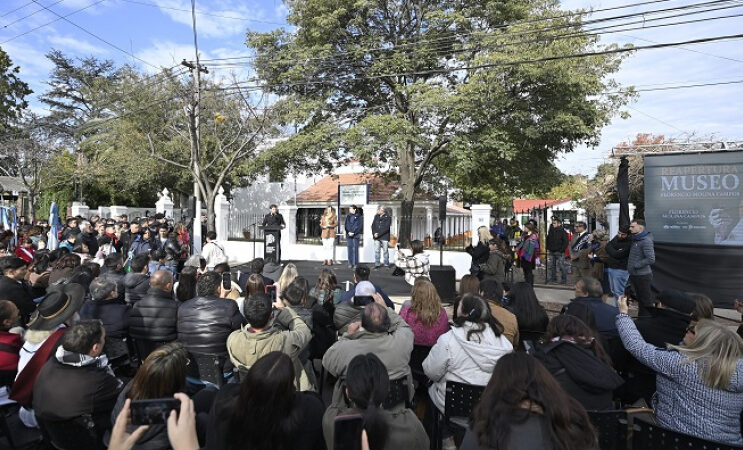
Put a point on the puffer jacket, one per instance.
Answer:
(111, 312)
(154, 318)
(454, 358)
(204, 323)
(641, 254)
(117, 276)
(247, 346)
(135, 287)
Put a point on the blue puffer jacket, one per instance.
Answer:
(354, 224)
(641, 254)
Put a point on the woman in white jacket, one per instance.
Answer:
(468, 352)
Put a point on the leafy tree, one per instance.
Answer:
(437, 87)
(13, 93)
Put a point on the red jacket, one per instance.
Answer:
(10, 346)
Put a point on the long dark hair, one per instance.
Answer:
(162, 374)
(521, 386)
(476, 311)
(566, 325)
(296, 292)
(326, 282)
(529, 313)
(186, 284)
(368, 384)
(264, 415)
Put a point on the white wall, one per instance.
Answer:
(257, 197)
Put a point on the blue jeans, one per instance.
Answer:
(353, 250)
(378, 246)
(558, 260)
(617, 281)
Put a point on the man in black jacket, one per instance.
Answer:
(618, 250)
(557, 242)
(106, 307)
(205, 322)
(88, 237)
(78, 379)
(155, 317)
(381, 232)
(14, 288)
(137, 281)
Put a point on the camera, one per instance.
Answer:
(153, 411)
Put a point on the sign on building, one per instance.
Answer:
(353, 194)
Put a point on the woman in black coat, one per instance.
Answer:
(480, 252)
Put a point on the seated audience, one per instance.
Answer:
(155, 317)
(326, 289)
(296, 295)
(524, 408)
(266, 411)
(492, 292)
(345, 313)
(380, 331)
(414, 265)
(205, 322)
(575, 357)
(468, 352)
(362, 273)
(260, 337)
(530, 315)
(367, 385)
(14, 287)
(700, 386)
(256, 267)
(78, 379)
(105, 306)
(287, 276)
(137, 281)
(254, 285)
(425, 315)
(588, 291)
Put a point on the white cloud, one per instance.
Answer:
(77, 45)
(209, 25)
(167, 54)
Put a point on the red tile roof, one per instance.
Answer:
(525, 205)
(326, 190)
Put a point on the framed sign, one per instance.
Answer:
(353, 194)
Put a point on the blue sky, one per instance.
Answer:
(157, 32)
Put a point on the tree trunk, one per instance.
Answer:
(210, 215)
(407, 185)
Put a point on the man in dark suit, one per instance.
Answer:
(14, 288)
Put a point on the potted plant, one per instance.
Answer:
(427, 241)
(393, 240)
(246, 233)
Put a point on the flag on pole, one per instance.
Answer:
(53, 242)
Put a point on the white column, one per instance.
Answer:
(288, 234)
(80, 209)
(104, 212)
(222, 215)
(118, 210)
(480, 218)
(164, 204)
(395, 220)
(366, 253)
(612, 217)
(196, 229)
(429, 221)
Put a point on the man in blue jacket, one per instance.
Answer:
(381, 232)
(354, 225)
(641, 257)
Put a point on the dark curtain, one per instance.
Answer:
(708, 269)
(623, 191)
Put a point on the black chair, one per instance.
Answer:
(75, 434)
(117, 351)
(207, 368)
(612, 427)
(460, 400)
(398, 394)
(143, 347)
(647, 435)
(18, 435)
(419, 353)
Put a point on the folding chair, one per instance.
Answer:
(75, 434)
(647, 435)
(398, 394)
(460, 400)
(18, 435)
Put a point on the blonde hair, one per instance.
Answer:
(330, 215)
(425, 301)
(287, 276)
(484, 235)
(716, 350)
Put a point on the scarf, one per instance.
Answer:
(79, 360)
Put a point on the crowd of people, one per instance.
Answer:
(121, 314)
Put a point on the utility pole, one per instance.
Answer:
(194, 120)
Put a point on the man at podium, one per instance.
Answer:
(274, 221)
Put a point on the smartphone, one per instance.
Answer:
(227, 281)
(153, 411)
(271, 291)
(362, 300)
(348, 432)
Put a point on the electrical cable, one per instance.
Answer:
(29, 15)
(53, 21)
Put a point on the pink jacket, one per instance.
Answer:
(425, 335)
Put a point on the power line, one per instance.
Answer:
(49, 23)
(16, 9)
(29, 15)
(201, 13)
(96, 36)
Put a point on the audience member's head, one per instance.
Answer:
(13, 267)
(186, 284)
(103, 289)
(425, 301)
(41, 262)
(256, 265)
(8, 315)
(703, 306)
(86, 337)
(361, 273)
(521, 386)
(222, 268)
(94, 267)
(208, 285)
(258, 311)
(367, 385)
(525, 306)
(287, 276)
(469, 284)
(584, 313)
(254, 285)
(162, 280)
(416, 246)
(162, 374)
(491, 290)
(140, 263)
(474, 311)
(571, 327)
(113, 262)
(326, 282)
(296, 293)
(375, 318)
(675, 300)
